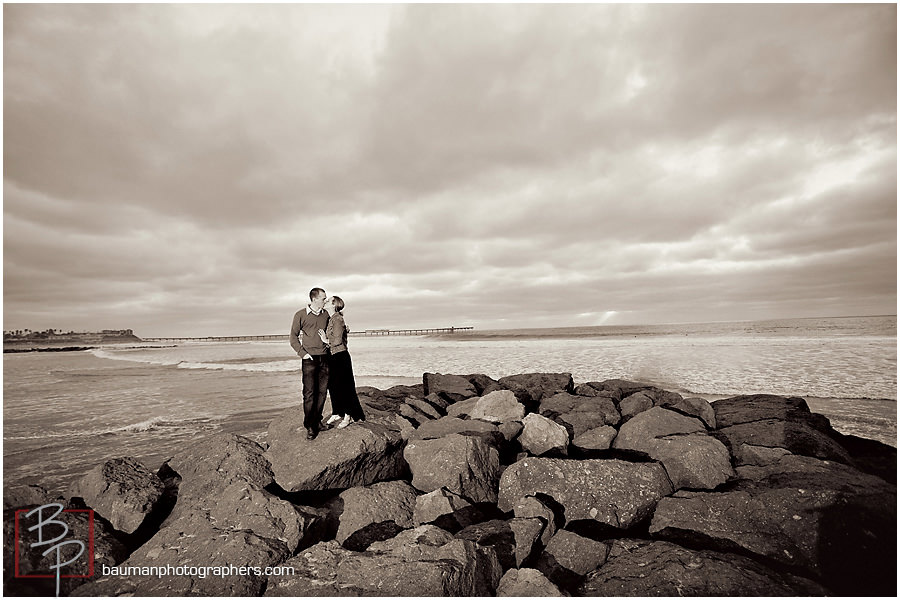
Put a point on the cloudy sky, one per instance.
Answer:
(196, 169)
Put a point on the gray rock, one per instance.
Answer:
(445, 509)
(242, 506)
(796, 437)
(209, 466)
(425, 407)
(634, 404)
(466, 465)
(451, 387)
(747, 454)
(568, 557)
(365, 509)
(449, 425)
(541, 435)
(655, 423)
(419, 562)
(205, 549)
(778, 422)
(691, 458)
(122, 490)
(511, 430)
(20, 496)
(600, 438)
(613, 492)
(439, 402)
(588, 389)
(527, 533)
(695, 407)
(617, 388)
(416, 414)
(513, 540)
(819, 516)
(361, 454)
(534, 387)
(580, 413)
(531, 507)
(525, 583)
(462, 408)
(483, 384)
(653, 568)
(498, 407)
(760, 407)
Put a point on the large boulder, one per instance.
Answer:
(531, 507)
(635, 404)
(568, 557)
(375, 512)
(616, 493)
(777, 422)
(425, 561)
(363, 454)
(693, 407)
(542, 436)
(612, 388)
(600, 438)
(692, 459)
(819, 517)
(531, 388)
(242, 506)
(466, 465)
(204, 555)
(654, 568)
(452, 388)
(122, 490)
(448, 425)
(24, 495)
(513, 541)
(446, 510)
(483, 384)
(580, 413)
(212, 463)
(498, 407)
(463, 407)
(525, 583)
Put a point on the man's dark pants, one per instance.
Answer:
(315, 388)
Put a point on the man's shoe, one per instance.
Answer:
(311, 433)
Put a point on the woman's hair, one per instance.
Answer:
(338, 303)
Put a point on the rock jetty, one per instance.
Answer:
(469, 486)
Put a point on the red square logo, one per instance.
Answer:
(65, 535)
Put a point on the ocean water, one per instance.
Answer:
(64, 413)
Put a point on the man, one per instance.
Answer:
(306, 342)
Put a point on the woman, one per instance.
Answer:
(341, 385)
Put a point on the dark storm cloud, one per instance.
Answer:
(197, 168)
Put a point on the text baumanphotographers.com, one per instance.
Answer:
(194, 571)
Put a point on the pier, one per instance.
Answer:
(277, 337)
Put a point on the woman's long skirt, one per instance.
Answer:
(342, 387)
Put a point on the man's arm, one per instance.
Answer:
(296, 344)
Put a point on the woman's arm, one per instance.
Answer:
(335, 331)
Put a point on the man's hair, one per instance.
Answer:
(314, 293)
(338, 303)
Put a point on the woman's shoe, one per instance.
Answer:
(333, 419)
(344, 422)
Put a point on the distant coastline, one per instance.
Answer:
(53, 341)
